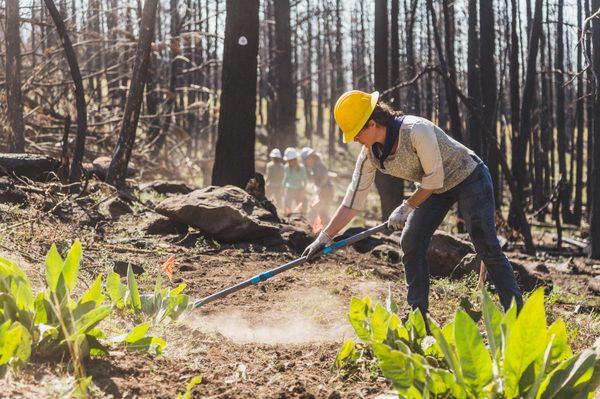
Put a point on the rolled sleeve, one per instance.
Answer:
(425, 143)
(362, 179)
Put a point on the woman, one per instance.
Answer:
(295, 179)
(413, 148)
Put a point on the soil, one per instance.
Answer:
(275, 340)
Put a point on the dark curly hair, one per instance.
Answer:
(383, 114)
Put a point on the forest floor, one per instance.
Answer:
(277, 340)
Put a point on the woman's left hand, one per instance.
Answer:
(399, 216)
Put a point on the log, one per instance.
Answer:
(33, 166)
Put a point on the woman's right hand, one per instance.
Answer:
(317, 245)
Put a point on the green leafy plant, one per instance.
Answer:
(162, 305)
(189, 388)
(55, 323)
(523, 358)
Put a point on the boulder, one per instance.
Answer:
(11, 194)
(363, 246)
(117, 208)
(227, 214)
(100, 167)
(166, 187)
(160, 225)
(387, 252)
(445, 252)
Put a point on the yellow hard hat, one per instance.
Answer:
(352, 110)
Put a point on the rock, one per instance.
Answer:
(160, 225)
(468, 264)
(121, 266)
(296, 239)
(594, 285)
(117, 208)
(32, 166)
(166, 187)
(386, 252)
(445, 252)
(226, 214)
(100, 167)
(528, 277)
(362, 246)
(256, 188)
(11, 194)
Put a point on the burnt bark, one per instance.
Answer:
(234, 154)
(16, 128)
(117, 171)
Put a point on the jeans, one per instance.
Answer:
(475, 197)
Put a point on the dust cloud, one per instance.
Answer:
(304, 316)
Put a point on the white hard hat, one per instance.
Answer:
(275, 153)
(306, 152)
(290, 153)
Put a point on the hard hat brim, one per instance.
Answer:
(351, 134)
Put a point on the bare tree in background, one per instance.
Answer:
(234, 154)
(80, 104)
(13, 78)
(118, 166)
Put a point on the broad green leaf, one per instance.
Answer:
(492, 319)
(569, 377)
(346, 354)
(15, 343)
(94, 293)
(54, 266)
(396, 366)
(359, 313)
(416, 325)
(475, 361)
(448, 379)
(542, 371)
(137, 333)
(71, 265)
(177, 290)
(89, 320)
(450, 356)
(379, 323)
(132, 290)
(148, 344)
(116, 290)
(526, 341)
(448, 332)
(560, 347)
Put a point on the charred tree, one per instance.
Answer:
(595, 219)
(578, 202)
(16, 142)
(488, 89)
(234, 153)
(473, 78)
(390, 188)
(122, 153)
(284, 123)
(80, 103)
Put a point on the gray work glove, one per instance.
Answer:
(317, 245)
(399, 216)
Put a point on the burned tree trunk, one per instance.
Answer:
(489, 90)
(80, 103)
(390, 188)
(234, 154)
(473, 79)
(284, 125)
(122, 154)
(595, 219)
(16, 142)
(522, 136)
(577, 207)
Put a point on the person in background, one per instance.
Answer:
(294, 183)
(320, 176)
(274, 188)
